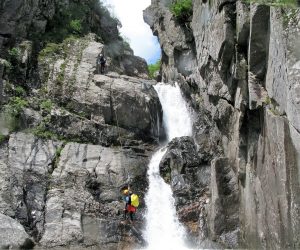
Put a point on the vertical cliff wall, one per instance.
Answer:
(238, 65)
(70, 137)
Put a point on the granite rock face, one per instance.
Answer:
(243, 87)
(68, 194)
(70, 137)
(72, 81)
(85, 193)
(81, 135)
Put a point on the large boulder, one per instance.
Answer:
(13, 235)
(181, 167)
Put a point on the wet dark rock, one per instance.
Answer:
(189, 178)
(243, 88)
(182, 168)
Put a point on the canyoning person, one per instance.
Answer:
(131, 204)
(101, 63)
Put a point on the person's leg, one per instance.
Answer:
(131, 215)
(125, 214)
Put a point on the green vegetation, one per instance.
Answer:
(268, 100)
(79, 18)
(76, 26)
(3, 138)
(152, 68)
(289, 15)
(7, 65)
(57, 155)
(182, 10)
(20, 91)
(14, 58)
(12, 111)
(16, 105)
(14, 54)
(50, 49)
(280, 3)
(46, 105)
(44, 134)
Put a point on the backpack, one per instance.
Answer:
(134, 200)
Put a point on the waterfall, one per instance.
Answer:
(163, 229)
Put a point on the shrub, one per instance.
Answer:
(152, 68)
(3, 138)
(76, 26)
(46, 105)
(182, 10)
(280, 3)
(44, 134)
(50, 49)
(20, 91)
(14, 53)
(12, 111)
(16, 105)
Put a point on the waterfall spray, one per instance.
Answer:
(163, 229)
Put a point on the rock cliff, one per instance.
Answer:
(71, 138)
(238, 65)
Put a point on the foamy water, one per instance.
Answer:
(163, 229)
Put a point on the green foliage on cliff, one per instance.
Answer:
(3, 138)
(12, 111)
(279, 3)
(51, 48)
(152, 68)
(46, 105)
(76, 26)
(80, 18)
(16, 105)
(14, 53)
(182, 10)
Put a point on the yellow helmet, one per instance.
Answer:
(125, 191)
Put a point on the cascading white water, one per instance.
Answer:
(163, 230)
(176, 117)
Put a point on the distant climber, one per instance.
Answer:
(131, 203)
(101, 63)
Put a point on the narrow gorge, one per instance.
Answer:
(227, 114)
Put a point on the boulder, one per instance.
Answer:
(13, 235)
(134, 66)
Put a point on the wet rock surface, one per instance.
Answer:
(243, 90)
(71, 137)
(81, 136)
